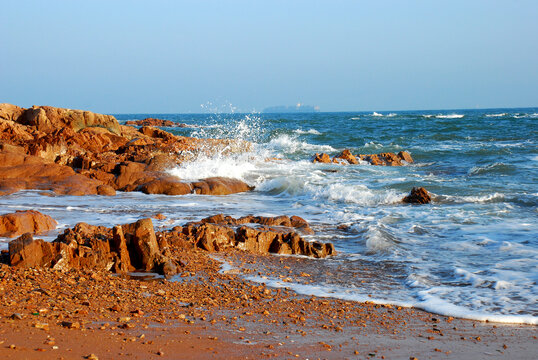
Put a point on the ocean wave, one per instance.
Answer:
(304, 132)
(496, 115)
(355, 118)
(426, 300)
(357, 194)
(430, 302)
(450, 116)
(451, 199)
(495, 168)
(289, 145)
(373, 145)
(207, 166)
(376, 114)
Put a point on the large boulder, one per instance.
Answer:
(143, 247)
(220, 186)
(29, 221)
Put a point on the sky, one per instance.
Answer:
(196, 56)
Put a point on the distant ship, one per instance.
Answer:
(292, 109)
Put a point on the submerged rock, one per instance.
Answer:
(418, 195)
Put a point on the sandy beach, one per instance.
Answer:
(207, 314)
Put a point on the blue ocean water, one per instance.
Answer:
(472, 253)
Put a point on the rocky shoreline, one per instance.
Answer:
(61, 298)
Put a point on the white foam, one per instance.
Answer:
(355, 118)
(495, 197)
(357, 194)
(496, 115)
(309, 131)
(426, 301)
(434, 304)
(376, 114)
(450, 116)
(288, 145)
(205, 166)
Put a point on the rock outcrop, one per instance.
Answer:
(276, 235)
(418, 195)
(121, 249)
(78, 152)
(385, 159)
(137, 246)
(29, 221)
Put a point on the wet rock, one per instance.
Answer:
(167, 186)
(321, 158)
(382, 159)
(405, 156)
(220, 186)
(347, 156)
(29, 221)
(418, 195)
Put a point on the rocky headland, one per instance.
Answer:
(77, 152)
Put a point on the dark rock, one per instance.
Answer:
(418, 195)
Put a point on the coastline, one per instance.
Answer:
(203, 311)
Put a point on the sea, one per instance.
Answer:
(472, 253)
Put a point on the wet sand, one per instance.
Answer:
(205, 314)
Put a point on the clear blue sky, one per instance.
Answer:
(171, 56)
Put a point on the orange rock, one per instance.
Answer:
(404, 155)
(154, 122)
(322, 158)
(10, 112)
(48, 118)
(220, 186)
(347, 156)
(215, 234)
(29, 221)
